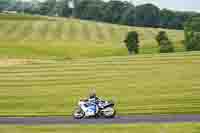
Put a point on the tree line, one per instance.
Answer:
(125, 13)
(165, 45)
(114, 11)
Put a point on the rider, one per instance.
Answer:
(93, 97)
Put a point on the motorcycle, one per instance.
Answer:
(86, 109)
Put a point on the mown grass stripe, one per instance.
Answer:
(60, 27)
(44, 29)
(87, 31)
(101, 64)
(12, 26)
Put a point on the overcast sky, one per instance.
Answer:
(181, 5)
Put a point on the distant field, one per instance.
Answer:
(145, 84)
(21, 17)
(35, 36)
(138, 128)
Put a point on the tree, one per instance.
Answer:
(6, 4)
(148, 15)
(192, 34)
(63, 8)
(90, 10)
(34, 7)
(114, 11)
(166, 18)
(165, 45)
(174, 20)
(132, 42)
(161, 36)
(128, 16)
(48, 7)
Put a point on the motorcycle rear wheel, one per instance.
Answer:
(109, 114)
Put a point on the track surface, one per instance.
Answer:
(117, 120)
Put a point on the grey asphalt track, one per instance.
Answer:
(117, 120)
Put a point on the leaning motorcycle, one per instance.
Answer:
(87, 109)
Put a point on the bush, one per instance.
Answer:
(161, 36)
(132, 42)
(193, 42)
(192, 34)
(165, 45)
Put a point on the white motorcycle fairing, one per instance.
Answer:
(90, 109)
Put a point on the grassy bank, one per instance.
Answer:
(145, 84)
(35, 36)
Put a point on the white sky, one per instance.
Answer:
(180, 5)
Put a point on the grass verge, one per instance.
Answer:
(130, 128)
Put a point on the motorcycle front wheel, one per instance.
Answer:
(78, 113)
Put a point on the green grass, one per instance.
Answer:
(138, 128)
(145, 84)
(35, 36)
